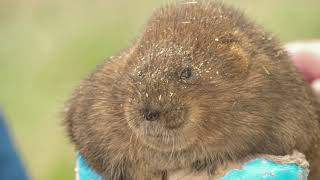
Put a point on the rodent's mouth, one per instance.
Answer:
(160, 137)
(166, 142)
(163, 138)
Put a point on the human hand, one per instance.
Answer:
(306, 57)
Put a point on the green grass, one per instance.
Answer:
(47, 47)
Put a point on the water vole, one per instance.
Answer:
(201, 86)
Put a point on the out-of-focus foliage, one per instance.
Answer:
(47, 47)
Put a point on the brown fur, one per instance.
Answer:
(242, 97)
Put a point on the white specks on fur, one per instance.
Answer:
(216, 39)
(147, 95)
(190, 2)
(266, 70)
(171, 93)
(185, 22)
(217, 72)
(161, 52)
(233, 104)
(160, 97)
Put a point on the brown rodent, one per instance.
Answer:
(203, 85)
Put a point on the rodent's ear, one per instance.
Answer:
(236, 61)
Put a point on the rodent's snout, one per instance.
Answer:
(160, 124)
(164, 115)
(150, 114)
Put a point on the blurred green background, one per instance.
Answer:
(47, 47)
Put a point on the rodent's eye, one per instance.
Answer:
(186, 73)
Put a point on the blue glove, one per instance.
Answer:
(84, 172)
(257, 169)
(264, 169)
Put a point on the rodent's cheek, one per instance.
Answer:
(194, 113)
(131, 117)
(130, 113)
(207, 122)
(194, 122)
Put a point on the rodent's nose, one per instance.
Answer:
(150, 115)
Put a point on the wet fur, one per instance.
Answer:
(244, 98)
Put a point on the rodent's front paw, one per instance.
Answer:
(202, 165)
(117, 172)
(199, 165)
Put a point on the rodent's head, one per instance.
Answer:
(184, 78)
(174, 90)
(200, 75)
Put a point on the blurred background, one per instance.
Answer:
(47, 47)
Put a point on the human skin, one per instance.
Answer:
(306, 58)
